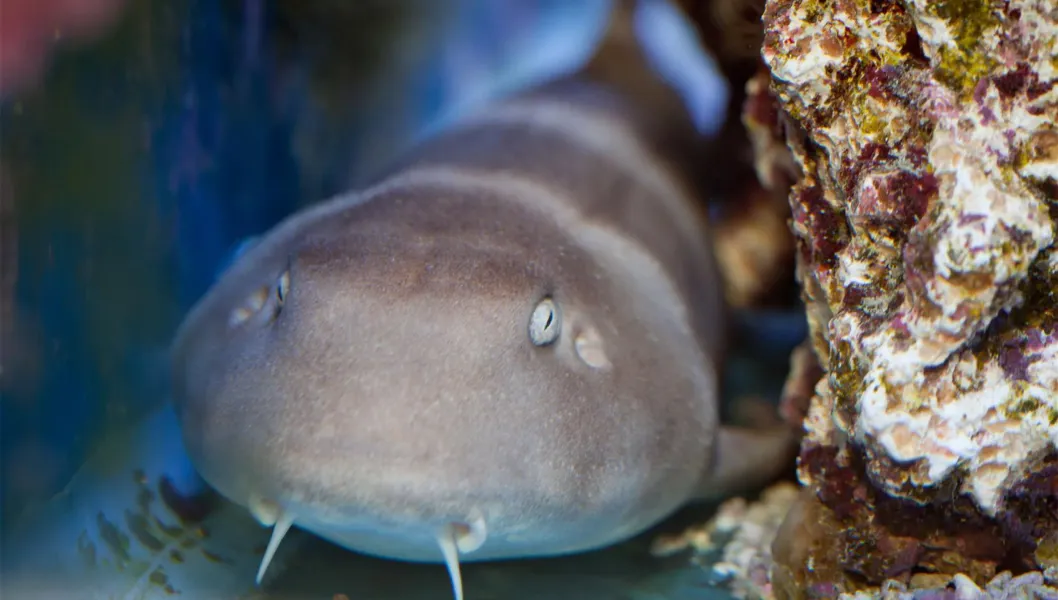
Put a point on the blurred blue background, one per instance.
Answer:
(142, 158)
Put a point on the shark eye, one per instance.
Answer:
(282, 286)
(545, 323)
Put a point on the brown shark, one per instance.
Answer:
(509, 346)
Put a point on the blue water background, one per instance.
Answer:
(145, 157)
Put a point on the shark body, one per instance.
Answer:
(509, 346)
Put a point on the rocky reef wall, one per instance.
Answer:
(924, 146)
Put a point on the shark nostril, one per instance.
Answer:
(591, 350)
(470, 534)
(265, 511)
(252, 306)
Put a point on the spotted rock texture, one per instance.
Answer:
(925, 139)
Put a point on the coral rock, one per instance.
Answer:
(1003, 587)
(741, 533)
(920, 226)
(925, 216)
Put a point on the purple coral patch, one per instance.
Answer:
(1033, 510)
(854, 294)
(1022, 80)
(1038, 339)
(823, 223)
(880, 80)
(1014, 362)
(916, 191)
(1012, 83)
(918, 262)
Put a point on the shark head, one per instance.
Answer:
(434, 373)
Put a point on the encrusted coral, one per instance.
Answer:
(738, 544)
(1035, 586)
(741, 533)
(926, 141)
